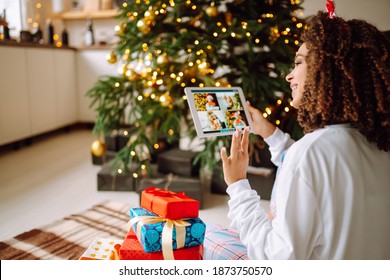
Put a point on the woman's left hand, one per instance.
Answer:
(236, 165)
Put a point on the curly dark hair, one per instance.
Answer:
(348, 80)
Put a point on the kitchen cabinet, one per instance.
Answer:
(14, 97)
(38, 91)
(66, 86)
(42, 90)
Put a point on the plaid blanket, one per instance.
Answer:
(67, 239)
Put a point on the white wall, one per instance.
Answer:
(104, 30)
(376, 12)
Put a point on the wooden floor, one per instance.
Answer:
(54, 177)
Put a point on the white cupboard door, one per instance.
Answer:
(14, 99)
(40, 66)
(65, 85)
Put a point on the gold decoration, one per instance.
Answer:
(196, 20)
(229, 18)
(122, 69)
(126, 55)
(212, 11)
(121, 29)
(204, 68)
(143, 26)
(150, 15)
(98, 148)
(162, 59)
(165, 99)
(111, 58)
(131, 75)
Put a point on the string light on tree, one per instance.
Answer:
(175, 44)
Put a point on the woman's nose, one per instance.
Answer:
(289, 76)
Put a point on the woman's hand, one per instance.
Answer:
(236, 165)
(261, 126)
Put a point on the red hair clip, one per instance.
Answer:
(330, 7)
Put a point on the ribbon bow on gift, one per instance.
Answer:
(162, 192)
(167, 232)
(157, 194)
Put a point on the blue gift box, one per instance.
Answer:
(150, 235)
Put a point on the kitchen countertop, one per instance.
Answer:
(13, 43)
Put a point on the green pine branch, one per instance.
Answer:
(247, 43)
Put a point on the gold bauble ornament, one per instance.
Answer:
(112, 58)
(98, 148)
(121, 29)
(143, 26)
(212, 11)
(165, 99)
(162, 59)
(150, 15)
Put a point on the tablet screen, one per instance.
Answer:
(217, 111)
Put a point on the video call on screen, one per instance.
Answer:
(219, 110)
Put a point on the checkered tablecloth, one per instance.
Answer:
(221, 243)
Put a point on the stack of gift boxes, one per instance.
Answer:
(165, 226)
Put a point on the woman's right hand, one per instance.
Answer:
(261, 126)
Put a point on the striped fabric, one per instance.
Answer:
(223, 244)
(67, 239)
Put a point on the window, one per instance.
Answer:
(13, 15)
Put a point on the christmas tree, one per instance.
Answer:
(164, 46)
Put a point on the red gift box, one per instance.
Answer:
(168, 204)
(131, 249)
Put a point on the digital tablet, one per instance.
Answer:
(217, 111)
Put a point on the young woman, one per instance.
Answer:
(331, 197)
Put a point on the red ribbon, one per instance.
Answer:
(158, 192)
(330, 7)
(165, 193)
